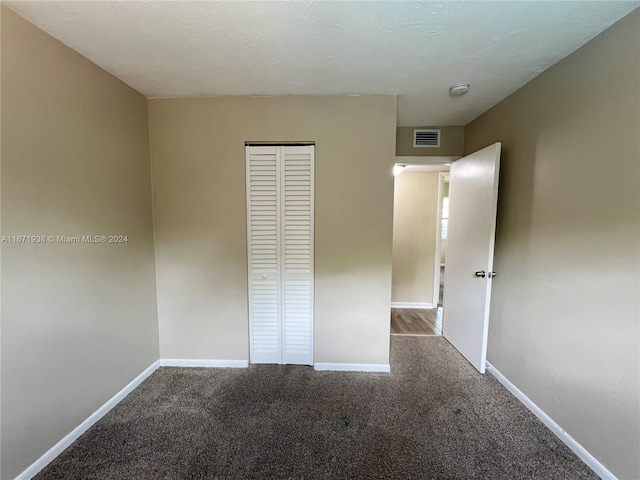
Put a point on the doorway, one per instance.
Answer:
(470, 235)
(416, 307)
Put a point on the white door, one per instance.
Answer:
(280, 253)
(263, 213)
(473, 197)
(297, 254)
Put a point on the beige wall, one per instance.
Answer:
(198, 169)
(565, 314)
(78, 320)
(415, 218)
(451, 142)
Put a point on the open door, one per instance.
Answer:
(473, 198)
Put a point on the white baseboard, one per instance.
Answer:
(411, 305)
(568, 440)
(210, 363)
(58, 448)
(353, 367)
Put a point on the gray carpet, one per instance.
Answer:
(433, 417)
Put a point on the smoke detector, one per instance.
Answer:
(458, 89)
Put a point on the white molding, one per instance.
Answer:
(425, 159)
(71, 437)
(199, 362)
(567, 439)
(353, 367)
(437, 265)
(427, 167)
(426, 306)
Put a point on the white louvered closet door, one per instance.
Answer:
(263, 219)
(280, 242)
(297, 253)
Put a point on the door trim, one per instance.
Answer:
(438, 252)
(300, 275)
(279, 144)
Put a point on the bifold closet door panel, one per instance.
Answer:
(263, 220)
(297, 253)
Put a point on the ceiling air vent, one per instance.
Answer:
(426, 138)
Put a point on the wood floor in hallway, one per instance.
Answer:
(416, 321)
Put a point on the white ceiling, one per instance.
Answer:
(414, 49)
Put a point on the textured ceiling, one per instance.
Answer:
(416, 50)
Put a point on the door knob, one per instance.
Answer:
(481, 274)
(264, 277)
(492, 274)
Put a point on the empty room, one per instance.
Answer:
(286, 240)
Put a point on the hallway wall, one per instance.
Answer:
(415, 216)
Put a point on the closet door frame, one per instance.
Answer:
(282, 277)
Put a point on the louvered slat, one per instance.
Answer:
(263, 210)
(298, 320)
(297, 209)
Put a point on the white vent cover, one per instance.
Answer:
(426, 138)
